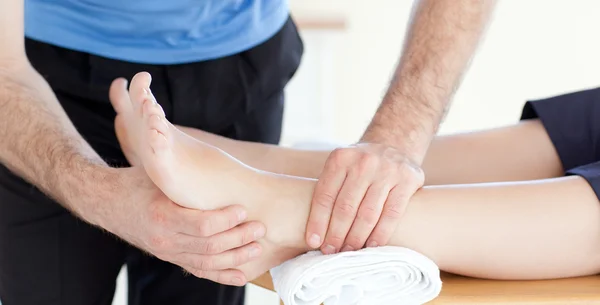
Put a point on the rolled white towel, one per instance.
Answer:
(371, 276)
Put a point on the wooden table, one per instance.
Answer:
(458, 290)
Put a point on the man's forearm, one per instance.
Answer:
(39, 142)
(438, 48)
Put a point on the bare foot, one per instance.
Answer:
(200, 176)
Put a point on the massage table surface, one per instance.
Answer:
(458, 290)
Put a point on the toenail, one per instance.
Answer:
(347, 248)
(329, 249)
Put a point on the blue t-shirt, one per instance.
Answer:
(155, 31)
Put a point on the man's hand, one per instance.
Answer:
(208, 244)
(360, 197)
(440, 41)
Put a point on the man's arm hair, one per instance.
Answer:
(440, 42)
(37, 140)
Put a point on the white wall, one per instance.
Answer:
(533, 48)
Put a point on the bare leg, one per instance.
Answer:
(528, 230)
(513, 153)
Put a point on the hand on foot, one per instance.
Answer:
(200, 176)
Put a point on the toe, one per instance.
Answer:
(151, 108)
(139, 91)
(141, 80)
(120, 129)
(124, 140)
(118, 96)
(159, 124)
(157, 142)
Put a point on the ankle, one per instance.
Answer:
(283, 206)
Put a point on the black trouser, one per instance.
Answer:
(47, 256)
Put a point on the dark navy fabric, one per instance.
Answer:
(572, 121)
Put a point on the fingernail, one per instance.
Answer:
(372, 244)
(254, 252)
(347, 248)
(329, 249)
(260, 232)
(314, 241)
(237, 281)
(242, 215)
(146, 91)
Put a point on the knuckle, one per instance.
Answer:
(211, 247)
(368, 162)
(204, 264)
(340, 157)
(393, 211)
(324, 200)
(204, 227)
(335, 239)
(158, 217)
(345, 208)
(368, 215)
(158, 242)
(369, 206)
(239, 258)
(337, 154)
(248, 236)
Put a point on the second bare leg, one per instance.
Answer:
(513, 153)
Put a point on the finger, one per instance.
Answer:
(393, 209)
(367, 217)
(207, 223)
(118, 96)
(232, 277)
(321, 208)
(221, 242)
(344, 211)
(226, 260)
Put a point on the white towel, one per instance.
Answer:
(371, 276)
